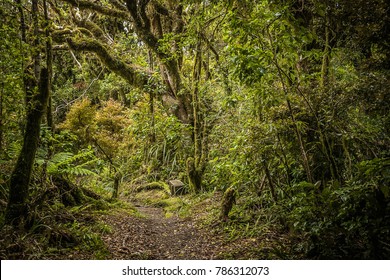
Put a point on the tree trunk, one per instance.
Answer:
(324, 83)
(197, 164)
(271, 184)
(152, 136)
(21, 175)
(49, 64)
(115, 192)
(1, 118)
(228, 200)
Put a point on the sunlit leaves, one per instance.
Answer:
(105, 128)
(80, 119)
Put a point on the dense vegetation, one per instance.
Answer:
(280, 105)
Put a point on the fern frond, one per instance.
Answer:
(62, 158)
(78, 171)
(72, 164)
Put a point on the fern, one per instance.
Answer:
(13, 150)
(58, 160)
(79, 171)
(62, 158)
(70, 164)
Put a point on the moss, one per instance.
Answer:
(85, 31)
(191, 173)
(173, 206)
(154, 186)
(92, 28)
(87, 5)
(21, 176)
(176, 206)
(228, 200)
(151, 197)
(135, 76)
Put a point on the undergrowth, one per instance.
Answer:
(54, 230)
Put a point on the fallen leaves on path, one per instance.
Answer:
(153, 236)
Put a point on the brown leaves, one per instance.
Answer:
(157, 237)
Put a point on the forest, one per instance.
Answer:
(195, 129)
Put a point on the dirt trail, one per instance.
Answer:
(156, 237)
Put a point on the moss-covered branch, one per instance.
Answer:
(117, 4)
(160, 8)
(142, 26)
(85, 4)
(136, 77)
(138, 13)
(92, 27)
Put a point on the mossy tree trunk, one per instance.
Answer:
(117, 179)
(326, 55)
(196, 165)
(324, 83)
(194, 174)
(228, 200)
(152, 137)
(1, 117)
(21, 175)
(37, 95)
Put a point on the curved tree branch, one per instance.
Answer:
(85, 4)
(135, 76)
(136, 10)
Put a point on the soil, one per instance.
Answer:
(153, 236)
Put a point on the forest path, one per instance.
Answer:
(153, 236)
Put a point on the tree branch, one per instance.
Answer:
(136, 77)
(143, 29)
(160, 8)
(142, 11)
(119, 5)
(97, 32)
(142, 26)
(85, 4)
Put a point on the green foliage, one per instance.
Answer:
(80, 120)
(12, 59)
(164, 157)
(71, 164)
(376, 172)
(342, 223)
(289, 107)
(105, 128)
(277, 57)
